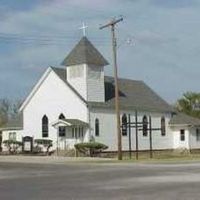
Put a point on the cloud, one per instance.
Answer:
(174, 3)
(85, 3)
(147, 37)
(166, 41)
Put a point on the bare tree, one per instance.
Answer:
(8, 110)
(4, 110)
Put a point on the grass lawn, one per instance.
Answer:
(163, 157)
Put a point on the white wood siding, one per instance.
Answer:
(108, 135)
(194, 143)
(177, 143)
(78, 81)
(51, 99)
(88, 80)
(95, 84)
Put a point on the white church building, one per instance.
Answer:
(75, 103)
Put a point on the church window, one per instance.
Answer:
(182, 135)
(197, 134)
(76, 131)
(79, 132)
(12, 136)
(45, 126)
(124, 125)
(73, 132)
(163, 129)
(61, 116)
(145, 126)
(62, 129)
(82, 135)
(97, 127)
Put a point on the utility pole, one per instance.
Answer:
(112, 24)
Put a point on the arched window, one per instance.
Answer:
(61, 116)
(61, 128)
(197, 134)
(163, 129)
(97, 127)
(45, 126)
(145, 125)
(124, 125)
(12, 136)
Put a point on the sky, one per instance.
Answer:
(158, 41)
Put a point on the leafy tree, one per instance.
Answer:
(189, 104)
(8, 109)
(4, 109)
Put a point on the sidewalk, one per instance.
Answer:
(49, 159)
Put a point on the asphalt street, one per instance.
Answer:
(79, 181)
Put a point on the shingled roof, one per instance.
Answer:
(183, 119)
(132, 95)
(85, 53)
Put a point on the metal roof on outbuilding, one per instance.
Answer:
(183, 119)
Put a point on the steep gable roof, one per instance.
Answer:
(84, 53)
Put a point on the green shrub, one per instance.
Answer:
(12, 145)
(90, 148)
(43, 141)
(46, 143)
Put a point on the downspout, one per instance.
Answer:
(89, 120)
(189, 146)
(87, 99)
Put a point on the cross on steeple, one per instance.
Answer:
(83, 28)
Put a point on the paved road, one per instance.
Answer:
(78, 181)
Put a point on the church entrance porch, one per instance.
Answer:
(69, 133)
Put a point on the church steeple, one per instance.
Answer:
(85, 53)
(85, 70)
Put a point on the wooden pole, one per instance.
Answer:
(150, 137)
(57, 141)
(136, 134)
(117, 109)
(129, 131)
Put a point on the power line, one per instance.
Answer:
(46, 40)
(50, 39)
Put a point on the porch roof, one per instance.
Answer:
(70, 123)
